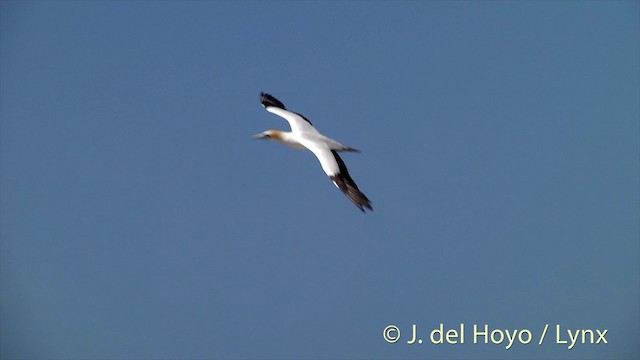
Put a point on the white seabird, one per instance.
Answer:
(304, 136)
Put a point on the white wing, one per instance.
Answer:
(298, 123)
(333, 166)
(325, 156)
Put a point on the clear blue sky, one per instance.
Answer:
(500, 149)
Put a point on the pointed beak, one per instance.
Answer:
(259, 136)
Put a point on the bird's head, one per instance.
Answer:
(269, 135)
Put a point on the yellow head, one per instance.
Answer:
(270, 135)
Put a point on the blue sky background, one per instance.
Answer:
(500, 148)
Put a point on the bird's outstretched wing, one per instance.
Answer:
(298, 123)
(337, 171)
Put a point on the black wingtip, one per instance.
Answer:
(350, 189)
(268, 100)
(345, 183)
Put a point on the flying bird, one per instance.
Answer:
(304, 136)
